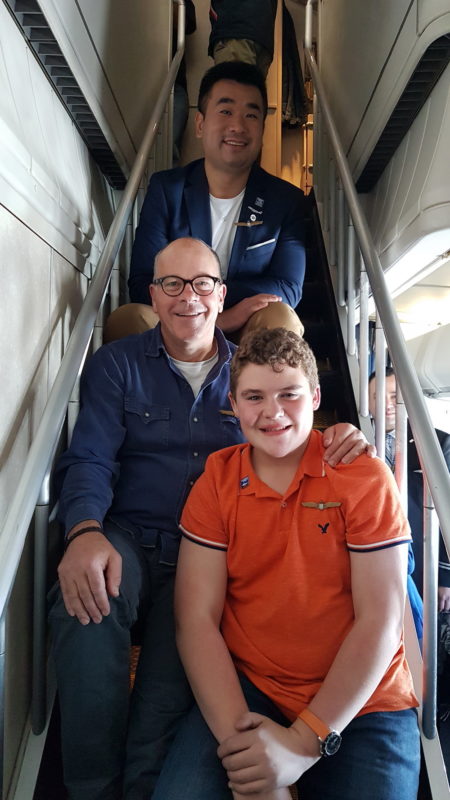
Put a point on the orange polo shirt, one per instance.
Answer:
(289, 601)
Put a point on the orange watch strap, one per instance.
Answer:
(320, 729)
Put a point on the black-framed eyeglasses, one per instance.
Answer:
(173, 285)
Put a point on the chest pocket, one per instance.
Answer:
(147, 425)
(260, 253)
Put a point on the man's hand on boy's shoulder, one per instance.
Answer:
(264, 755)
(343, 443)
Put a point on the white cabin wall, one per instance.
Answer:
(119, 53)
(365, 74)
(51, 232)
(55, 211)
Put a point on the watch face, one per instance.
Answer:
(330, 744)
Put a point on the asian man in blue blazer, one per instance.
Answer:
(253, 220)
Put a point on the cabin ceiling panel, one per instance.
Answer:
(429, 11)
(414, 44)
(411, 200)
(352, 58)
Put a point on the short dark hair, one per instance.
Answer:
(389, 372)
(239, 71)
(276, 348)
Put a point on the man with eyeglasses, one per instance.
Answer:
(154, 406)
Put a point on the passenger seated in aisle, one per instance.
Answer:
(253, 220)
(415, 517)
(415, 487)
(153, 407)
(289, 598)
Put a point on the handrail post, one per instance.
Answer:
(309, 24)
(430, 595)
(39, 687)
(332, 214)
(351, 294)
(340, 245)
(2, 698)
(380, 387)
(401, 448)
(363, 341)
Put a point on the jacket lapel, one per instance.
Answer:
(252, 210)
(196, 198)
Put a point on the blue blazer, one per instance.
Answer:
(269, 257)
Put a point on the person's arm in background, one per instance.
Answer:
(152, 234)
(444, 562)
(90, 569)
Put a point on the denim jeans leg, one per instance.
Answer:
(161, 695)
(92, 666)
(192, 769)
(379, 759)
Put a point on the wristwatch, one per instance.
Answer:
(330, 741)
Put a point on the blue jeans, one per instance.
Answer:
(114, 744)
(379, 759)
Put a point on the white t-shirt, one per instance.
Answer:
(224, 214)
(195, 372)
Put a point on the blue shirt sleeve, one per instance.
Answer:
(87, 472)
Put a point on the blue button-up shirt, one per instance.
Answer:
(142, 439)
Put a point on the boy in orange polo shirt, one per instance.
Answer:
(290, 600)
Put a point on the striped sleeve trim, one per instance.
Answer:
(369, 548)
(201, 540)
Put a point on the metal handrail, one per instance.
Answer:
(20, 512)
(424, 434)
(434, 468)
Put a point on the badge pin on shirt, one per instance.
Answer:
(253, 220)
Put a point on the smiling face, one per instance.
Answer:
(390, 400)
(275, 409)
(231, 127)
(188, 320)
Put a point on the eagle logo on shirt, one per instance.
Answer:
(323, 528)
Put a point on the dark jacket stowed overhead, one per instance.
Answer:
(243, 19)
(266, 257)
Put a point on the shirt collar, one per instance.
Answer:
(311, 464)
(154, 345)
